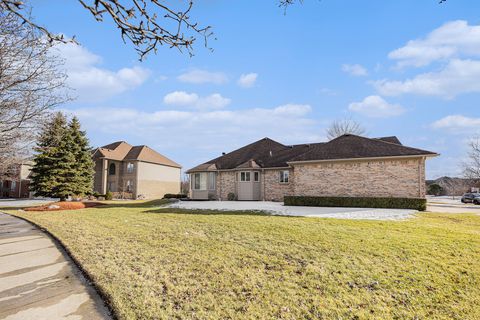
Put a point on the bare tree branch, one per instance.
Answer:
(344, 126)
(147, 24)
(471, 168)
(31, 84)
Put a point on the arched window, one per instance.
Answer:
(111, 169)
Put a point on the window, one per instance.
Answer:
(129, 186)
(200, 181)
(284, 176)
(256, 176)
(211, 181)
(244, 176)
(130, 167)
(13, 186)
(111, 169)
(111, 186)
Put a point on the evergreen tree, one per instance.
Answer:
(83, 179)
(65, 167)
(43, 178)
(63, 164)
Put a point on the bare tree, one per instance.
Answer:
(344, 126)
(471, 168)
(185, 184)
(31, 84)
(146, 24)
(456, 186)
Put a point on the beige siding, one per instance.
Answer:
(372, 178)
(154, 181)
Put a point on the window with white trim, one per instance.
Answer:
(200, 181)
(130, 167)
(211, 180)
(284, 176)
(129, 186)
(244, 176)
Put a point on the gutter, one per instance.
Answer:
(366, 159)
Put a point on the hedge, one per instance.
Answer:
(359, 202)
(175, 196)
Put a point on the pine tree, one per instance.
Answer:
(63, 164)
(43, 178)
(83, 179)
(64, 168)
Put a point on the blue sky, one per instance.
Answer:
(405, 68)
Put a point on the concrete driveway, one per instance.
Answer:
(277, 208)
(38, 280)
(22, 203)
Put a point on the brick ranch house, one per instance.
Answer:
(16, 182)
(349, 165)
(133, 171)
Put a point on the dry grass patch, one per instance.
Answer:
(155, 264)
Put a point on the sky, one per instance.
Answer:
(406, 68)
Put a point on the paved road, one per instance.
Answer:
(38, 280)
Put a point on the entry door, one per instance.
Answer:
(249, 185)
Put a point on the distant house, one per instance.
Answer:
(349, 165)
(16, 182)
(133, 171)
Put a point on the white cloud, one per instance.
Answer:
(355, 70)
(247, 80)
(376, 107)
(458, 123)
(453, 39)
(182, 98)
(458, 77)
(206, 132)
(93, 83)
(199, 76)
(292, 110)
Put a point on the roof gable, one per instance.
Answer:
(122, 151)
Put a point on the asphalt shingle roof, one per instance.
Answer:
(123, 151)
(267, 153)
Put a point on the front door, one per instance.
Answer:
(248, 185)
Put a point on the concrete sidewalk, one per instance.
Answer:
(38, 280)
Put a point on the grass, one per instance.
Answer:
(156, 264)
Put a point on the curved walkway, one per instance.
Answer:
(38, 280)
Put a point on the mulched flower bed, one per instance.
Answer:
(65, 205)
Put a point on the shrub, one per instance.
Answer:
(360, 202)
(108, 195)
(434, 189)
(175, 196)
(231, 196)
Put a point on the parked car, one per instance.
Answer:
(469, 197)
(476, 200)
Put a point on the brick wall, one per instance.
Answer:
(274, 190)
(378, 178)
(225, 184)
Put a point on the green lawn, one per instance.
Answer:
(155, 264)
